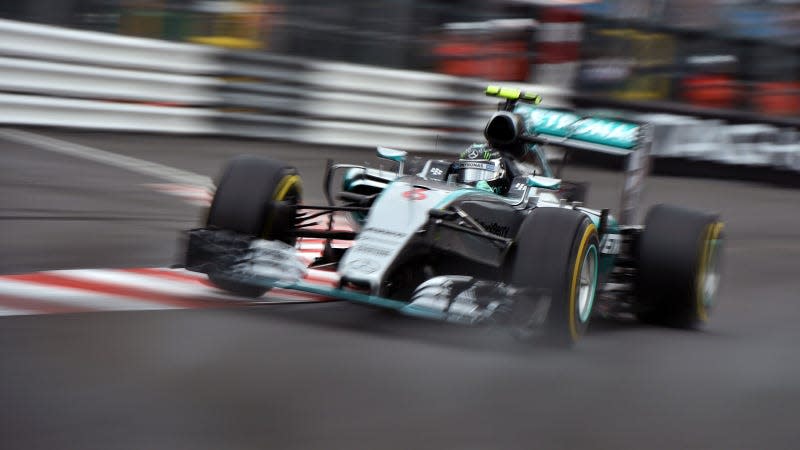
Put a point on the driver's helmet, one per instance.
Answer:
(480, 165)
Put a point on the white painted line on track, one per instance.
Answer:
(196, 195)
(16, 312)
(140, 166)
(138, 289)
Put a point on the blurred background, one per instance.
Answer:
(114, 124)
(723, 54)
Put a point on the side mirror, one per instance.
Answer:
(392, 154)
(543, 182)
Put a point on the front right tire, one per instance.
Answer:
(246, 201)
(679, 261)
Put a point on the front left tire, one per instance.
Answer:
(556, 256)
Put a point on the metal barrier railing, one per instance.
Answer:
(216, 91)
(66, 78)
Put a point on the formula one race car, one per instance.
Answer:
(492, 237)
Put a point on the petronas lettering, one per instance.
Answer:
(607, 130)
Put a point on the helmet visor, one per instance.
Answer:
(474, 171)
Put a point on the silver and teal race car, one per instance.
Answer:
(491, 237)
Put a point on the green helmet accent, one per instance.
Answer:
(479, 151)
(484, 186)
(483, 167)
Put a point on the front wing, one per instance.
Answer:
(273, 264)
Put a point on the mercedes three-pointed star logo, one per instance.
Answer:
(363, 265)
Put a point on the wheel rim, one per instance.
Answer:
(588, 282)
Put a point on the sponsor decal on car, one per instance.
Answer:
(370, 250)
(364, 265)
(381, 231)
(610, 244)
(474, 165)
(415, 194)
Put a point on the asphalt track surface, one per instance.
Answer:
(335, 375)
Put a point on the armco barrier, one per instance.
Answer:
(51, 76)
(79, 81)
(354, 105)
(41, 42)
(102, 115)
(66, 78)
(57, 77)
(344, 104)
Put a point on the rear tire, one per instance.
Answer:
(245, 202)
(557, 256)
(678, 266)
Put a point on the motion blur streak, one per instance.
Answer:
(334, 375)
(92, 154)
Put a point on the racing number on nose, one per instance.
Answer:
(415, 194)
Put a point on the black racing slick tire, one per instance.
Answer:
(678, 253)
(556, 256)
(247, 201)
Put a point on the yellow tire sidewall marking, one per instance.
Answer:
(712, 233)
(573, 326)
(284, 187)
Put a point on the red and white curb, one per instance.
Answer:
(87, 290)
(66, 291)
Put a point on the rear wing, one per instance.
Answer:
(568, 129)
(572, 131)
